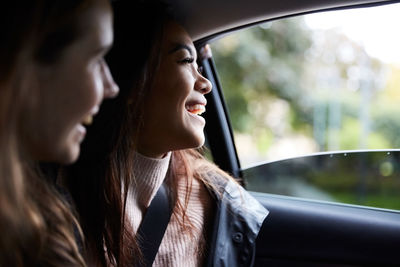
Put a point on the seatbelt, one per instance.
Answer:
(154, 224)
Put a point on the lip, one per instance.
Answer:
(197, 117)
(191, 108)
(88, 119)
(192, 103)
(196, 102)
(81, 130)
(196, 109)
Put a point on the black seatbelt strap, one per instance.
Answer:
(154, 224)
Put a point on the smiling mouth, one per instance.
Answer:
(88, 120)
(197, 109)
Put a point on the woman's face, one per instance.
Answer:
(70, 90)
(173, 107)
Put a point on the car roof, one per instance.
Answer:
(206, 18)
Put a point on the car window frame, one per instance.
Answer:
(219, 132)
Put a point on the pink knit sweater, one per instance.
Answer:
(177, 247)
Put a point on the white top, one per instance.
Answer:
(178, 248)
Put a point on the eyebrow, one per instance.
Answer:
(179, 47)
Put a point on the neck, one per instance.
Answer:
(152, 154)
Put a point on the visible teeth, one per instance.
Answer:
(197, 109)
(88, 120)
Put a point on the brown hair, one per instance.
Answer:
(105, 165)
(38, 227)
(95, 181)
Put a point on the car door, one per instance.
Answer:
(305, 115)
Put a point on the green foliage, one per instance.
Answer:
(386, 121)
(258, 64)
(283, 80)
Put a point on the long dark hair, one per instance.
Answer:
(96, 180)
(37, 225)
(105, 167)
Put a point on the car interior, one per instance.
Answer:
(299, 231)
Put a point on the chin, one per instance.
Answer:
(197, 141)
(69, 156)
(201, 142)
(187, 139)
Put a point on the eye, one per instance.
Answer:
(200, 70)
(187, 60)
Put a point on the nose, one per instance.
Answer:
(111, 89)
(203, 85)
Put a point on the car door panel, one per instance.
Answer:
(310, 232)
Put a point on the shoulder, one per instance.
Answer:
(243, 204)
(233, 198)
(239, 217)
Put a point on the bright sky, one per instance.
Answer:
(377, 28)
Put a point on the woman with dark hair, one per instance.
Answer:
(149, 136)
(53, 80)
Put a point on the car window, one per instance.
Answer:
(319, 83)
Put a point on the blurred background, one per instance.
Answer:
(315, 83)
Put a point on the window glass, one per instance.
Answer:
(314, 83)
(371, 179)
(319, 82)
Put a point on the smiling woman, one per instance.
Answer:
(151, 134)
(171, 120)
(53, 79)
(67, 88)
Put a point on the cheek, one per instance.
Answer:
(97, 86)
(166, 103)
(182, 87)
(90, 91)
